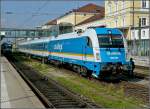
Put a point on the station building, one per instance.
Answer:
(70, 20)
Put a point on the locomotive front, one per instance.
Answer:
(112, 51)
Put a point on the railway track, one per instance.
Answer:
(52, 94)
(138, 91)
(138, 86)
(130, 86)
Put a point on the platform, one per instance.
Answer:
(15, 93)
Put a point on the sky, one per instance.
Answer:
(33, 13)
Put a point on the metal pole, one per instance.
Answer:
(149, 47)
(133, 31)
(0, 44)
(134, 40)
(75, 20)
(139, 42)
(0, 36)
(15, 41)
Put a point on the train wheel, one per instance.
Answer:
(84, 71)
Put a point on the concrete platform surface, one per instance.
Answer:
(15, 93)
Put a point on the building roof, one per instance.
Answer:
(91, 19)
(89, 8)
(52, 22)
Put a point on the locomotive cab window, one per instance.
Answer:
(89, 42)
(110, 41)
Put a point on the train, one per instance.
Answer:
(100, 52)
(6, 48)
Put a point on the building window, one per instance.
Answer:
(143, 33)
(116, 22)
(116, 6)
(109, 8)
(123, 21)
(143, 3)
(123, 4)
(142, 21)
(133, 34)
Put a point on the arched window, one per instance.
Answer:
(109, 8)
(144, 4)
(109, 4)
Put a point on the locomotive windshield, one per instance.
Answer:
(110, 41)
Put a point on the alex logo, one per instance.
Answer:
(58, 47)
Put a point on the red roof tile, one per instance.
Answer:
(91, 8)
(93, 18)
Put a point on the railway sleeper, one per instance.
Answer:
(72, 102)
(53, 89)
(58, 97)
(65, 103)
(55, 95)
(57, 101)
(57, 92)
(68, 106)
(53, 92)
(61, 98)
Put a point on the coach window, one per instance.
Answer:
(89, 42)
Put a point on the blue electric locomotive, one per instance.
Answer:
(100, 51)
